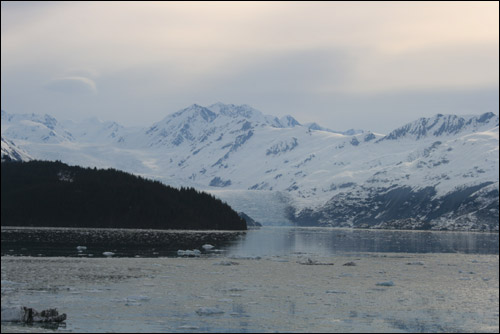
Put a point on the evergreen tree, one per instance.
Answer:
(43, 193)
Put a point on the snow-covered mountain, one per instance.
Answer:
(10, 152)
(94, 130)
(439, 172)
(34, 128)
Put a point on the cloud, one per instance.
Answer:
(72, 85)
(331, 59)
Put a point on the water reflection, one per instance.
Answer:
(267, 241)
(323, 241)
(120, 242)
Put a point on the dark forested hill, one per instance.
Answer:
(42, 193)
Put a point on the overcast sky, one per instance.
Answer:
(367, 65)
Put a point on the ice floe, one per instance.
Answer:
(194, 252)
(209, 311)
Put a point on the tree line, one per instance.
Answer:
(46, 193)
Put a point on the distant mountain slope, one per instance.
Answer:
(443, 125)
(10, 152)
(42, 193)
(34, 128)
(310, 174)
(94, 130)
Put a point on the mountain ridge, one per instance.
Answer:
(228, 147)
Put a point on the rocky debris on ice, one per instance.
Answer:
(226, 263)
(239, 257)
(388, 283)
(310, 262)
(30, 315)
(349, 264)
(418, 263)
(209, 311)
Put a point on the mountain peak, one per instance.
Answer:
(232, 110)
(440, 125)
(289, 122)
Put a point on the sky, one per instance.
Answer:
(364, 65)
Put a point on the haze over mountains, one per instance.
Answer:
(439, 172)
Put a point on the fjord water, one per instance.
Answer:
(272, 279)
(267, 241)
(331, 241)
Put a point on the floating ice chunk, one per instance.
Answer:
(187, 327)
(226, 263)
(345, 275)
(209, 311)
(207, 247)
(108, 254)
(14, 314)
(81, 248)
(137, 298)
(194, 252)
(388, 283)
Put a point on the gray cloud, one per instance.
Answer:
(303, 70)
(374, 65)
(384, 111)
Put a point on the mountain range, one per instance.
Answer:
(438, 173)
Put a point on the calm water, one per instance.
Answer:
(267, 280)
(267, 241)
